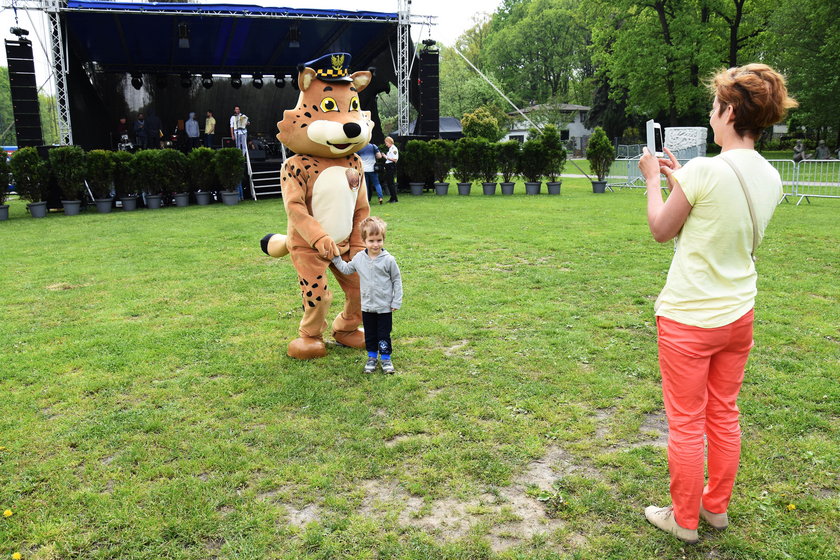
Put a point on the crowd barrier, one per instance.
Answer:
(810, 178)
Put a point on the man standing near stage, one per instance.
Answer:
(209, 129)
(238, 130)
(192, 131)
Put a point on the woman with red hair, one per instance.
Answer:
(717, 211)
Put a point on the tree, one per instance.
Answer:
(482, 124)
(462, 90)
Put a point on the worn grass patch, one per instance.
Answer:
(149, 409)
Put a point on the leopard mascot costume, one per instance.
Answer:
(325, 197)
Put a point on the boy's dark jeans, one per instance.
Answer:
(377, 332)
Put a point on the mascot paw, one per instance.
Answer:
(274, 245)
(305, 348)
(353, 339)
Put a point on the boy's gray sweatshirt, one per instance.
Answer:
(379, 278)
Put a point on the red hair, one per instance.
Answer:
(757, 94)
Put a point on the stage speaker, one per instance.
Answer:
(24, 92)
(429, 110)
(256, 155)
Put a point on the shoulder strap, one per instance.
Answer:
(737, 171)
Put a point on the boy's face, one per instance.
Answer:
(373, 244)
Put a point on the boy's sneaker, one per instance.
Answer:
(664, 519)
(387, 366)
(719, 521)
(370, 365)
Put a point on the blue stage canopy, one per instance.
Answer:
(219, 38)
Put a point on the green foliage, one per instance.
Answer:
(4, 179)
(144, 170)
(68, 165)
(489, 161)
(441, 154)
(202, 176)
(100, 172)
(600, 153)
(481, 123)
(229, 163)
(416, 161)
(172, 170)
(508, 158)
(31, 174)
(532, 160)
(124, 181)
(468, 157)
(555, 151)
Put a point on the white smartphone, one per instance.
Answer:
(654, 138)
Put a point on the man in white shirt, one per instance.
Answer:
(239, 130)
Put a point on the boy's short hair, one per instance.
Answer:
(756, 92)
(373, 225)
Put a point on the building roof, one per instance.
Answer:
(563, 107)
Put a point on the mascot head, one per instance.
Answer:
(327, 120)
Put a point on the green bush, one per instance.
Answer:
(555, 151)
(202, 175)
(467, 159)
(68, 165)
(100, 173)
(124, 182)
(31, 174)
(532, 160)
(482, 124)
(488, 166)
(172, 170)
(600, 153)
(508, 158)
(416, 160)
(440, 152)
(228, 163)
(4, 179)
(144, 170)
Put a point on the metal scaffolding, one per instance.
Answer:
(403, 64)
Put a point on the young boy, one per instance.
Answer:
(381, 289)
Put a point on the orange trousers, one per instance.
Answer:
(702, 371)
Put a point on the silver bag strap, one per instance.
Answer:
(749, 203)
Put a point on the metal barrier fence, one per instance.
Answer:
(810, 178)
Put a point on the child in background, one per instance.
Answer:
(381, 290)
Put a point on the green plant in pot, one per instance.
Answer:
(532, 163)
(172, 171)
(125, 185)
(415, 159)
(508, 161)
(144, 173)
(555, 154)
(31, 175)
(488, 165)
(440, 152)
(68, 165)
(202, 174)
(228, 163)
(100, 177)
(467, 162)
(4, 188)
(601, 154)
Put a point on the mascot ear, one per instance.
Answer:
(361, 80)
(305, 78)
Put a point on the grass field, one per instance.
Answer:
(149, 410)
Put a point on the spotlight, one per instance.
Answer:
(207, 80)
(19, 31)
(236, 81)
(280, 81)
(186, 79)
(257, 80)
(136, 80)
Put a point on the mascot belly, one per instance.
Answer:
(325, 129)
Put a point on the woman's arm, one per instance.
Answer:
(665, 217)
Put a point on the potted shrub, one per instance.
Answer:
(68, 165)
(555, 153)
(440, 152)
(532, 164)
(488, 166)
(100, 176)
(144, 173)
(601, 154)
(172, 171)
(467, 163)
(508, 161)
(228, 164)
(4, 188)
(415, 159)
(202, 175)
(31, 174)
(124, 183)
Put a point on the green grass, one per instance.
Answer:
(149, 409)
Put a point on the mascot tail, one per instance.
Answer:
(274, 245)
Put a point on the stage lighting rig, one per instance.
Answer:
(207, 81)
(257, 80)
(186, 79)
(236, 81)
(280, 81)
(19, 31)
(136, 80)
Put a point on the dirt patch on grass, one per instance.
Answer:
(456, 348)
(303, 516)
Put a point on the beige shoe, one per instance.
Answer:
(719, 521)
(663, 518)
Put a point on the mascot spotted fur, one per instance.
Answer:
(325, 198)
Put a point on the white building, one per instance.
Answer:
(567, 117)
